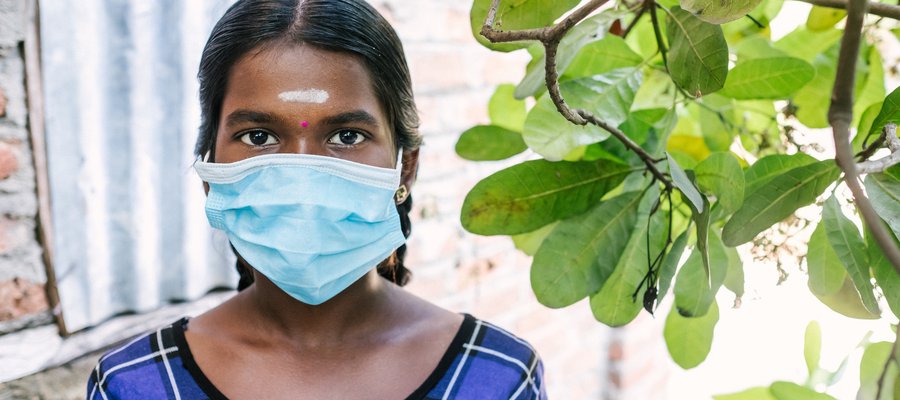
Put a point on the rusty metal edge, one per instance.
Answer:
(34, 91)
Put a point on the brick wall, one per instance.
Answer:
(22, 275)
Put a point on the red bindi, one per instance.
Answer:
(304, 124)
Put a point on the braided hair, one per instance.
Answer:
(350, 26)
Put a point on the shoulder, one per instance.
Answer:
(132, 370)
(494, 363)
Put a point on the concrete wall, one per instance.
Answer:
(22, 275)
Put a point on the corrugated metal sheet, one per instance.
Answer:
(122, 113)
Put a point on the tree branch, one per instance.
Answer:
(875, 8)
(887, 364)
(840, 115)
(550, 37)
(881, 164)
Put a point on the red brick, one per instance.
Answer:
(9, 164)
(19, 297)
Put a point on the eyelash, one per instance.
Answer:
(360, 136)
(245, 138)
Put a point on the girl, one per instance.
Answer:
(308, 148)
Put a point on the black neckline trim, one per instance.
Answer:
(464, 332)
(191, 365)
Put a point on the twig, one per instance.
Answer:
(881, 164)
(891, 357)
(550, 37)
(875, 8)
(634, 22)
(659, 40)
(631, 145)
(840, 114)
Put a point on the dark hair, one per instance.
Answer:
(350, 26)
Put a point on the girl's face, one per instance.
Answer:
(300, 99)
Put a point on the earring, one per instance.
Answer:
(401, 194)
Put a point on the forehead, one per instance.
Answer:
(265, 78)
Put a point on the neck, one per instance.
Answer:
(349, 314)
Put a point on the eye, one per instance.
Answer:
(258, 138)
(346, 138)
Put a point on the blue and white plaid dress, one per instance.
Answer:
(483, 362)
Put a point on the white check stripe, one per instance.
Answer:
(135, 361)
(463, 361)
(525, 382)
(165, 358)
(96, 385)
(511, 336)
(500, 355)
(102, 359)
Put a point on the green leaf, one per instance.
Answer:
(755, 47)
(791, 391)
(489, 143)
(693, 292)
(850, 249)
(505, 110)
(763, 170)
(698, 54)
(734, 277)
(812, 346)
(826, 273)
(757, 393)
(600, 57)
(890, 112)
(517, 14)
(719, 12)
(778, 199)
(873, 362)
(591, 29)
(822, 18)
(847, 302)
(608, 96)
(616, 304)
(684, 184)
(532, 194)
(812, 100)
(529, 242)
(806, 44)
(581, 252)
(690, 339)
(884, 194)
(720, 174)
(865, 125)
(887, 277)
(767, 78)
(670, 265)
(871, 90)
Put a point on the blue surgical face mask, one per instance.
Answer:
(311, 224)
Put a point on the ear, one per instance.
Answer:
(206, 188)
(410, 168)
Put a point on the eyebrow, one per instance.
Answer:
(258, 117)
(243, 116)
(358, 116)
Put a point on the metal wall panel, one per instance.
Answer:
(122, 113)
